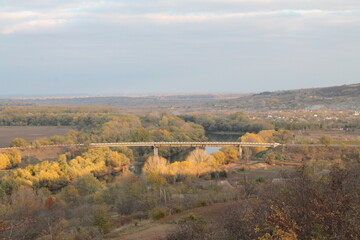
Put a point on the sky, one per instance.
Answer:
(73, 47)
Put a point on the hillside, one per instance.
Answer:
(338, 97)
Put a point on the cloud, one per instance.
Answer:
(32, 25)
(21, 16)
(177, 44)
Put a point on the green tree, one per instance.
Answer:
(87, 184)
(269, 157)
(102, 218)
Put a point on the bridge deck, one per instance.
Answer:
(181, 144)
(184, 144)
(157, 144)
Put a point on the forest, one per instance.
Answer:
(101, 193)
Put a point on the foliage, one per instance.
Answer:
(19, 142)
(325, 139)
(253, 138)
(231, 154)
(156, 164)
(158, 214)
(269, 157)
(10, 159)
(236, 122)
(304, 207)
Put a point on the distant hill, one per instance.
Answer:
(142, 103)
(338, 97)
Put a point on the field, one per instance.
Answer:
(28, 133)
(338, 136)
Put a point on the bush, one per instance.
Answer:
(202, 203)
(269, 157)
(158, 213)
(192, 218)
(326, 140)
(176, 209)
(123, 220)
(260, 180)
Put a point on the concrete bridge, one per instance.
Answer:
(156, 145)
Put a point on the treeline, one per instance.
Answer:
(130, 128)
(236, 122)
(79, 117)
(88, 118)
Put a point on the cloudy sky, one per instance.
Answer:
(65, 47)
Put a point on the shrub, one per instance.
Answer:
(176, 209)
(123, 220)
(260, 180)
(158, 213)
(202, 203)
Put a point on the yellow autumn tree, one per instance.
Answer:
(4, 161)
(180, 170)
(156, 164)
(253, 138)
(267, 135)
(219, 157)
(198, 156)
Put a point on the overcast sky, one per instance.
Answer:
(65, 47)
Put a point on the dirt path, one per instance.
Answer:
(154, 230)
(151, 232)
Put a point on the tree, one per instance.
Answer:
(181, 170)
(231, 154)
(219, 157)
(156, 164)
(269, 157)
(4, 161)
(101, 218)
(140, 135)
(283, 136)
(19, 142)
(116, 159)
(87, 184)
(267, 135)
(325, 139)
(253, 138)
(198, 156)
(14, 157)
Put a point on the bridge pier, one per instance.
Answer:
(156, 151)
(240, 152)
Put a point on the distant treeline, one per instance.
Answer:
(305, 125)
(237, 122)
(79, 117)
(93, 118)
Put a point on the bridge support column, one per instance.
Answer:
(156, 151)
(240, 152)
